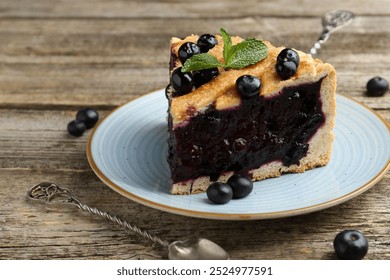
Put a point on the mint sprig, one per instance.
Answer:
(227, 44)
(201, 61)
(245, 53)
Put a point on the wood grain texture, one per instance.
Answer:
(67, 63)
(59, 56)
(184, 9)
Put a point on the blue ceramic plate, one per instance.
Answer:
(128, 148)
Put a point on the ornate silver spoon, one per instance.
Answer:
(191, 249)
(331, 22)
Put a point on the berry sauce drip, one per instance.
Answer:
(278, 129)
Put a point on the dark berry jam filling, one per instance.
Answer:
(259, 131)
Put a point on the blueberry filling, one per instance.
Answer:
(260, 131)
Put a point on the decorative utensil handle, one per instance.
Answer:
(124, 223)
(317, 45)
(53, 193)
(331, 22)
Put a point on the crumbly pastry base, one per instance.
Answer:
(309, 71)
(270, 170)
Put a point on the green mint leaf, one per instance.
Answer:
(234, 50)
(227, 44)
(246, 53)
(201, 61)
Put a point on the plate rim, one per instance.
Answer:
(229, 216)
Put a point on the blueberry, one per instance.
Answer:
(377, 86)
(248, 86)
(187, 50)
(241, 185)
(202, 77)
(350, 245)
(181, 82)
(288, 55)
(219, 193)
(286, 69)
(287, 63)
(206, 42)
(88, 116)
(76, 128)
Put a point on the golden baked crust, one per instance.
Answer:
(222, 92)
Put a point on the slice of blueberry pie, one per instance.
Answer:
(245, 107)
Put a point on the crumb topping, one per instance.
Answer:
(222, 92)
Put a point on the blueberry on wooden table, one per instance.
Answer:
(377, 86)
(76, 128)
(88, 116)
(350, 245)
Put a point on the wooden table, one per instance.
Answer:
(57, 57)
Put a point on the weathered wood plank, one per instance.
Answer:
(65, 64)
(39, 140)
(182, 9)
(64, 41)
(38, 232)
(48, 86)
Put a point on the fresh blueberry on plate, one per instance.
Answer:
(219, 193)
(242, 186)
